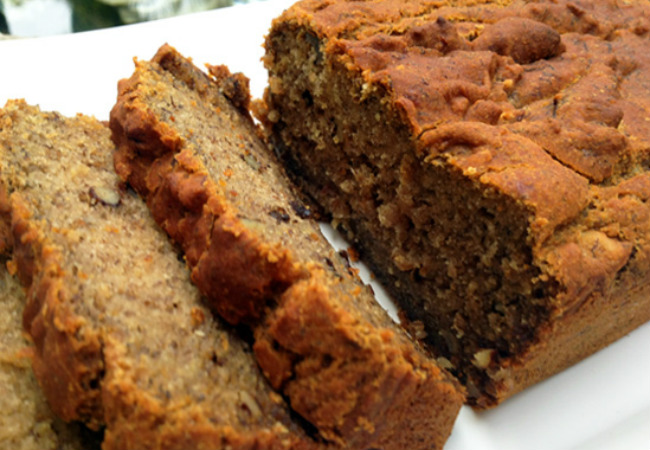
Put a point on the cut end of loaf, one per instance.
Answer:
(471, 173)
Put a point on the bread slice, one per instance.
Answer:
(490, 162)
(27, 422)
(187, 144)
(122, 337)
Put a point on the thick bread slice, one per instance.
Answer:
(186, 142)
(122, 337)
(26, 421)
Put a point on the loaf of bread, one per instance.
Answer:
(122, 337)
(26, 421)
(490, 161)
(187, 144)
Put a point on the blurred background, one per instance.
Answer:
(31, 18)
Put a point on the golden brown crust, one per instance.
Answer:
(356, 382)
(348, 376)
(66, 362)
(400, 48)
(68, 356)
(27, 422)
(188, 204)
(510, 164)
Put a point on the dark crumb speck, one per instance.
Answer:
(280, 215)
(301, 210)
(346, 258)
(215, 359)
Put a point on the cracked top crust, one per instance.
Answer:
(543, 101)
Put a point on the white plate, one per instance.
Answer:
(601, 403)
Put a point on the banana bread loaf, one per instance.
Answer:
(26, 421)
(490, 161)
(186, 143)
(122, 337)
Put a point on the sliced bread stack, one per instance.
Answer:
(122, 338)
(187, 144)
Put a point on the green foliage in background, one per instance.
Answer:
(92, 15)
(3, 22)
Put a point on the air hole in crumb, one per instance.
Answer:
(94, 384)
(327, 361)
(309, 100)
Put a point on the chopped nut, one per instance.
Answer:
(251, 161)
(276, 398)
(444, 363)
(104, 195)
(452, 341)
(252, 224)
(483, 358)
(249, 403)
(12, 267)
(279, 428)
(198, 317)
